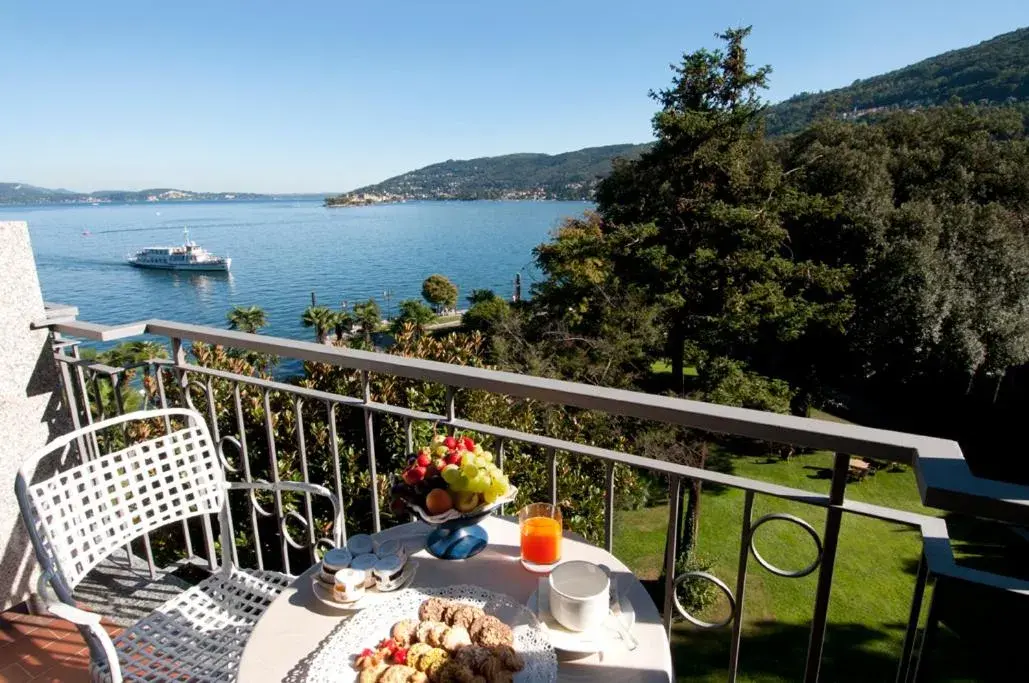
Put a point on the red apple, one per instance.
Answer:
(469, 445)
(450, 442)
(419, 473)
(423, 460)
(410, 476)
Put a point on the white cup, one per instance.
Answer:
(388, 572)
(349, 585)
(365, 563)
(332, 562)
(579, 598)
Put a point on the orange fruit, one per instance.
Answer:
(438, 501)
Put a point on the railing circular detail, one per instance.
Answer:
(228, 439)
(803, 525)
(694, 620)
(285, 529)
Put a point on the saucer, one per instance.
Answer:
(598, 638)
(324, 593)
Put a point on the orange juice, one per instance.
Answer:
(541, 540)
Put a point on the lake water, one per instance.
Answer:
(281, 251)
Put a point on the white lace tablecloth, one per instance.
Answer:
(293, 634)
(330, 663)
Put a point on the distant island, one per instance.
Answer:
(568, 176)
(23, 193)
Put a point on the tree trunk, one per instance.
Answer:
(689, 529)
(676, 350)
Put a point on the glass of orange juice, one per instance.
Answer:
(540, 527)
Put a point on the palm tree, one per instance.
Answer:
(342, 322)
(321, 319)
(249, 319)
(368, 317)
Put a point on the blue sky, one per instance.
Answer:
(326, 96)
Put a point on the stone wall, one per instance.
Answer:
(31, 407)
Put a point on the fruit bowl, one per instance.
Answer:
(452, 483)
(458, 535)
(453, 514)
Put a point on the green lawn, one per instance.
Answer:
(872, 588)
(660, 367)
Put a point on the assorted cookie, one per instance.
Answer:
(451, 642)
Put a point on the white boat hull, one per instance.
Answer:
(222, 267)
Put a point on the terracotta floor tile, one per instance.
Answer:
(70, 647)
(28, 619)
(42, 648)
(63, 674)
(13, 673)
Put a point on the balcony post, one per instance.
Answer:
(741, 586)
(671, 549)
(833, 519)
(921, 578)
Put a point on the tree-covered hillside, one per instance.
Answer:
(994, 71)
(571, 175)
(21, 193)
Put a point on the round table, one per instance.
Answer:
(296, 622)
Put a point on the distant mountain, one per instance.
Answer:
(572, 175)
(995, 71)
(21, 193)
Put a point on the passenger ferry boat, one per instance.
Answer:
(187, 257)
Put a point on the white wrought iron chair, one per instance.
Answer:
(79, 516)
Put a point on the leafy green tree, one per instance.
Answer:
(369, 318)
(440, 292)
(927, 210)
(322, 319)
(480, 295)
(247, 319)
(342, 323)
(584, 322)
(697, 223)
(414, 312)
(486, 314)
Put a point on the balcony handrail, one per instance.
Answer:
(944, 479)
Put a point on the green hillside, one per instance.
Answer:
(571, 175)
(21, 193)
(995, 71)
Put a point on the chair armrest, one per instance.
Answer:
(298, 487)
(81, 617)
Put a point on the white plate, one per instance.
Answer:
(585, 642)
(323, 592)
(332, 661)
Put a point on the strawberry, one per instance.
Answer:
(388, 644)
(367, 652)
(423, 460)
(450, 442)
(469, 445)
(400, 655)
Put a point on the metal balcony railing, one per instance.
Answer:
(943, 477)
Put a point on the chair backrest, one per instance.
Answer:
(79, 516)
